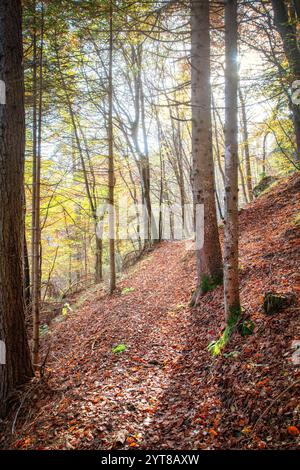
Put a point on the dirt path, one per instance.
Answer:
(108, 397)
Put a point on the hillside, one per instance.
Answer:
(166, 390)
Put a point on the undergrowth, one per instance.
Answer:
(234, 323)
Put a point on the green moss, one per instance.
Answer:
(234, 315)
(209, 283)
(127, 290)
(215, 347)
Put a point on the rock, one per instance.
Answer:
(264, 183)
(121, 437)
(274, 302)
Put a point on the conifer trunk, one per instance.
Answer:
(209, 259)
(17, 368)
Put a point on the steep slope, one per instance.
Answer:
(166, 390)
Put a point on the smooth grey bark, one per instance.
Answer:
(36, 187)
(231, 279)
(27, 286)
(17, 369)
(90, 188)
(209, 258)
(111, 172)
(246, 145)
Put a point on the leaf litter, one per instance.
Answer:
(166, 391)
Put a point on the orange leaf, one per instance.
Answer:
(293, 431)
(131, 440)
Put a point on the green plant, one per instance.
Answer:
(127, 290)
(247, 328)
(66, 310)
(44, 330)
(119, 349)
(216, 346)
(180, 306)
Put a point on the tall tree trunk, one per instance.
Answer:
(90, 188)
(242, 179)
(111, 172)
(98, 255)
(264, 154)
(17, 368)
(150, 230)
(288, 33)
(27, 287)
(246, 146)
(36, 182)
(231, 281)
(209, 259)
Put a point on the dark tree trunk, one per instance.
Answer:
(288, 33)
(17, 369)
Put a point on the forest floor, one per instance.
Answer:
(166, 391)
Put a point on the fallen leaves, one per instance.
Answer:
(167, 391)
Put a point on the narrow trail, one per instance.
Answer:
(166, 390)
(116, 395)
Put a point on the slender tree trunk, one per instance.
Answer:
(161, 186)
(89, 188)
(264, 154)
(150, 230)
(242, 179)
(246, 146)
(219, 207)
(98, 256)
(36, 225)
(209, 259)
(111, 172)
(231, 280)
(15, 368)
(218, 152)
(27, 287)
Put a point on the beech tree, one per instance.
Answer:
(111, 173)
(209, 259)
(37, 82)
(231, 281)
(17, 368)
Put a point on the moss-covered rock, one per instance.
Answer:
(274, 302)
(264, 184)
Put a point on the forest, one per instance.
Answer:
(149, 226)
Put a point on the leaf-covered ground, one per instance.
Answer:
(166, 391)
